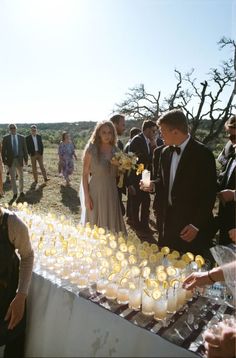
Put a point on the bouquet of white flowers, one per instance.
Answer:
(125, 163)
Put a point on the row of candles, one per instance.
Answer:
(136, 273)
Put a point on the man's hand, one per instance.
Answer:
(188, 233)
(226, 195)
(149, 188)
(15, 311)
(232, 235)
(196, 279)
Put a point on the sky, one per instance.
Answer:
(73, 60)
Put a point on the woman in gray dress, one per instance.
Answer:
(99, 180)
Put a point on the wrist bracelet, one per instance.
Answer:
(210, 277)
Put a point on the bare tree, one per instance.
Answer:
(206, 104)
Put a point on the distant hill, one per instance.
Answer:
(79, 131)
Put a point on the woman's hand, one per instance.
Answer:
(88, 203)
(196, 279)
(16, 310)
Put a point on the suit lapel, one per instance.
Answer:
(144, 144)
(184, 160)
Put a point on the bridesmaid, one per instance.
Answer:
(99, 180)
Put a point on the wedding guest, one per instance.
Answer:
(185, 194)
(118, 121)
(159, 141)
(129, 207)
(141, 146)
(132, 133)
(35, 149)
(66, 152)
(15, 276)
(155, 171)
(99, 179)
(226, 185)
(1, 173)
(14, 154)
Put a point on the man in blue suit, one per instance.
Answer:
(35, 149)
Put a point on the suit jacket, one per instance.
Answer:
(227, 211)
(193, 192)
(7, 150)
(138, 145)
(155, 170)
(30, 144)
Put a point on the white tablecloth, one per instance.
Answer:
(61, 324)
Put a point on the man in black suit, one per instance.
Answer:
(226, 185)
(35, 149)
(185, 187)
(141, 146)
(119, 123)
(14, 154)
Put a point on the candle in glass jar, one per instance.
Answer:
(160, 308)
(146, 177)
(123, 295)
(147, 303)
(135, 298)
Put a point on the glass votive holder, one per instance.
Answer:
(101, 285)
(181, 297)
(122, 295)
(171, 300)
(82, 281)
(135, 298)
(160, 308)
(111, 290)
(147, 302)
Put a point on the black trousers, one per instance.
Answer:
(140, 208)
(14, 340)
(171, 236)
(120, 190)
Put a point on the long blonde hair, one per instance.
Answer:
(95, 138)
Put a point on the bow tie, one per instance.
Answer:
(174, 148)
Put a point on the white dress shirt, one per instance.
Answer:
(36, 147)
(147, 142)
(174, 165)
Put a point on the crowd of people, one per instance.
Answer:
(184, 185)
(15, 150)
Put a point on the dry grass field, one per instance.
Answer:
(54, 196)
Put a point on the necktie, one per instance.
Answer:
(174, 148)
(15, 151)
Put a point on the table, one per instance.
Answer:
(65, 323)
